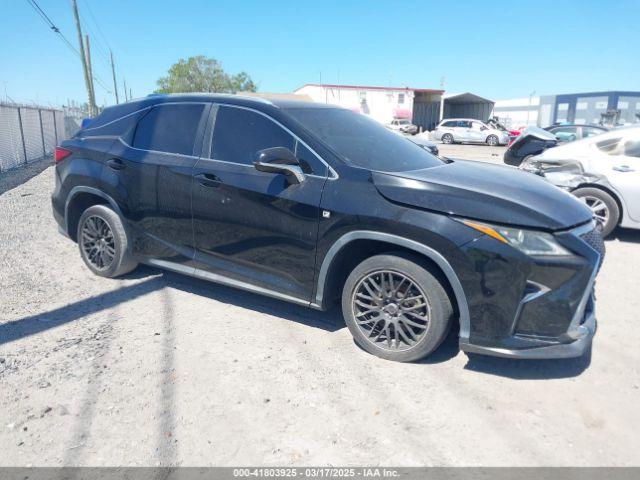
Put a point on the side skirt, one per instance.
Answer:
(230, 282)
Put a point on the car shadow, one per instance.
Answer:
(330, 320)
(155, 279)
(626, 235)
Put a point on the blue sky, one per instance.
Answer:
(495, 49)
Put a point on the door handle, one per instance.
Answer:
(116, 164)
(208, 180)
(623, 168)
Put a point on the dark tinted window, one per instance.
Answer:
(450, 124)
(363, 142)
(632, 148)
(169, 128)
(464, 124)
(308, 161)
(239, 134)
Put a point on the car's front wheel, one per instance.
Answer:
(603, 206)
(396, 308)
(103, 242)
(492, 140)
(447, 138)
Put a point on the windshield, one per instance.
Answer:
(363, 142)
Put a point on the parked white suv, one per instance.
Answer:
(469, 130)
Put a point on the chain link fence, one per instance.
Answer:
(30, 133)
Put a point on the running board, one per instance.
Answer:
(229, 282)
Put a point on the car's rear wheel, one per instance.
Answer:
(103, 242)
(396, 308)
(447, 138)
(492, 140)
(603, 206)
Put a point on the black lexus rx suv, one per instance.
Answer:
(315, 204)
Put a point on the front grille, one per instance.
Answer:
(594, 240)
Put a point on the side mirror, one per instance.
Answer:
(280, 160)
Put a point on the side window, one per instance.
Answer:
(169, 128)
(309, 162)
(464, 124)
(590, 132)
(449, 124)
(240, 134)
(632, 148)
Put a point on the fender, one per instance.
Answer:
(417, 247)
(94, 191)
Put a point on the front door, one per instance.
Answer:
(624, 175)
(253, 227)
(463, 131)
(151, 168)
(476, 134)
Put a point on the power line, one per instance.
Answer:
(53, 27)
(86, 2)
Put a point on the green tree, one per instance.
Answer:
(202, 74)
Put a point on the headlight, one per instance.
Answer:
(528, 242)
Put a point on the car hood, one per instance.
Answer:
(492, 193)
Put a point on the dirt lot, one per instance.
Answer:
(160, 369)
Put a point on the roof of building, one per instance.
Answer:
(465, 97)
(368, 87)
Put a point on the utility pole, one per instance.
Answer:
(87, 50)
(124, 81)
(113, 72)
(83, 58)
(130, 94)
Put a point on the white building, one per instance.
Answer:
(381, 103)
(517, 112)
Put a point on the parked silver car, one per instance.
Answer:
(602, 170)
(469, 130)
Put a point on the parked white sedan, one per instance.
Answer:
(603, 171)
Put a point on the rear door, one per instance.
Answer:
(152, 168)
(255, 227)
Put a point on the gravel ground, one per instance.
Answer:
(160, 369)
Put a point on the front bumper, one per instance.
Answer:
(584, 334)
(552, 316)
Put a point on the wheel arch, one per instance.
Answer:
(79, 199)
(330, 270)
(605, 189)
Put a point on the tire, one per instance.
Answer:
(390, 337)
(103, 242)
(447, 138)
(603, 206)
(492, 140)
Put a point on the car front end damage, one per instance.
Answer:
(565, 174)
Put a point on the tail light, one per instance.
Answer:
(60, 154)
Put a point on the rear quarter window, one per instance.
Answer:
(169, 128)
